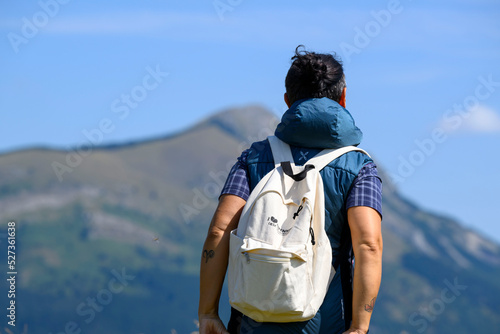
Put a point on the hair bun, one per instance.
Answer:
(314, 75)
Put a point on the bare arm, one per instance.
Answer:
(365, 225)
(214, 262)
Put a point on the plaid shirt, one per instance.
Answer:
(366, 189)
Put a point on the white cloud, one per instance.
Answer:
(480, 119)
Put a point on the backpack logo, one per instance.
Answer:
(272, 221)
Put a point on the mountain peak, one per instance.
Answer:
(242, 122)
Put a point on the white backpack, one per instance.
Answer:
(280, 259)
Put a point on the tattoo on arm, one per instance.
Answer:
(208, 254)
(369, 307)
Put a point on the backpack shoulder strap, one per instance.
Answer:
(281, 150)
(326, 156)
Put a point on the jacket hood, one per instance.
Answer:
(318, 123)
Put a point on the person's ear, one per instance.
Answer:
(287, 101)
(342, 97)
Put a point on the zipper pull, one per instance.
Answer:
(297, 213)
(247, 257)
(311, 231)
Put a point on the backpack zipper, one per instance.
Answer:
(311, 231)
(298, 210)
(266, 258)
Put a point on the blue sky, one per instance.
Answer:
(423, 79)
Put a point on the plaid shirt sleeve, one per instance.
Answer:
(367, 189)
(237, 180)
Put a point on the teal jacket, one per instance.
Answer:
(309, 126)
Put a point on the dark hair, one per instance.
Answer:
(314, 75)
